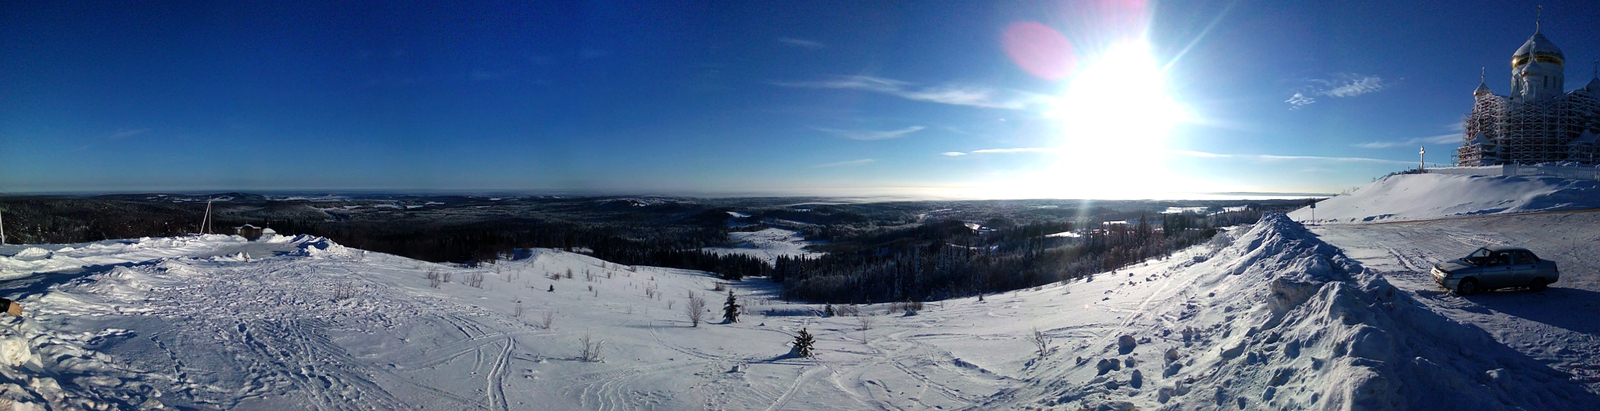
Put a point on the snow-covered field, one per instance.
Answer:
(1271, 316)
(767, 244)
(1425, 196)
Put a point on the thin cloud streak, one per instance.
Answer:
(1341, 86)
(1001, 151)
(850, 163)
(1273, 157)
(802, 43)
(121, 134)
(1413, 142)
(961, 95)
(869, 135)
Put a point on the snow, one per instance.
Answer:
(1272, 316)
(767, 244)
(1423, 196)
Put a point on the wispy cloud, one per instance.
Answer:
(1299, 100)
(802, 43)
(1274, 157)
(850, 163)
(1014, 150)
(1343, 85)
(121, 134)
(963, 95)
(871, 134)
(1413, 142)
(1356, 87)
(1001, 151)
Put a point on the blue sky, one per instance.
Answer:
(938, 99)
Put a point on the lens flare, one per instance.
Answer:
(1039, 50)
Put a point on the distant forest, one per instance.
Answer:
(873, 252)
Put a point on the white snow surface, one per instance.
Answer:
(1425, 196)
(1268, 317)
(767, 244)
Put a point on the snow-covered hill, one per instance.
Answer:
(1264, 317)
(1424, 196)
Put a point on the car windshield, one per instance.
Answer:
(1478, 257)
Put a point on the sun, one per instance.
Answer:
(1115, 118)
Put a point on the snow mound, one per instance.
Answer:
(1424, 196)
(1281, 320)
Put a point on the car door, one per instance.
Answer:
(1499, 273)
(1523, 268)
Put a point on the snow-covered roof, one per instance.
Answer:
(1587, 138)
(1483, 89)
(1540, 43)
(1481, 140)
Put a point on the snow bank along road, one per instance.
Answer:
(1264, 317)
(1559, 326)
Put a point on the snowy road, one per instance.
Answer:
(1557, 326)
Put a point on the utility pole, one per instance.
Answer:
(205, 223)
(2, 228)
(1422, 158)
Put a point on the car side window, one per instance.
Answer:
(1524, 257)
(1501, 259)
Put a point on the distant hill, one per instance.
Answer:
(1425, 196)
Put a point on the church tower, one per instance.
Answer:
(1536, 70)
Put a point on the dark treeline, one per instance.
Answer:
(885, 257)
(946, 259)
(484, 242)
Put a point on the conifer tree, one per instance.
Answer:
(802, 343)
(730, 309)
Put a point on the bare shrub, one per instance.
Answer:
(433, 278)
(588, 276)
(519, 309)
(908, 307)
(569, 273)
(549, 320)
(851, 309)
(719, 287)
(591, 349)
(864, 322)
(669, 304)
(1041, 342)
(475, 280)
(447, 276)
(650, 291)
(696, 309)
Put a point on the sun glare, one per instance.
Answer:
(1115, 117)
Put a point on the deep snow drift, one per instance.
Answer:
(1282, 320)
(1423, 196)
(1264, 317)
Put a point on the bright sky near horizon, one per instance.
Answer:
(1065, 99)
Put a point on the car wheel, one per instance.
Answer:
(1467, 286)
(1538, 284)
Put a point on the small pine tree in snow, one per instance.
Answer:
(827, 311)
(802, 343)
(730, 309)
